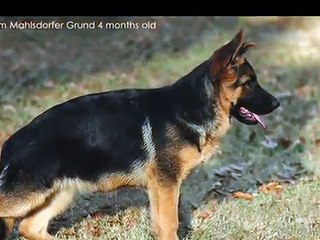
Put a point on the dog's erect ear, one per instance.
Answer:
(231, 49)
(229, 55)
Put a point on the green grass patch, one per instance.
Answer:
(293, 215)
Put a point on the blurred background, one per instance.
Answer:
(40, 68)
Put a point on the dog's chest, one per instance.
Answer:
(207, 151)
(190, 156)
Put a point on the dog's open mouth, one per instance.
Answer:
(250, 116)
(245, 116)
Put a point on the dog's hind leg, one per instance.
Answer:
(16, 205)
(34, 225)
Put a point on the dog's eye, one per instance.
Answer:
(248, 84)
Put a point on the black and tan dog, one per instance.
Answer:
(132, 137)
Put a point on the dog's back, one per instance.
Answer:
(83, 138)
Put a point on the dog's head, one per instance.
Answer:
(240, 94)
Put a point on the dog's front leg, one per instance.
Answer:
(167, 216)
(164, 201)
(154, 208)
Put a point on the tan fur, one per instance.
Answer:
(13, 206)
(227, 96)
(137, 177)
(164, 200)
(189, 157)
(168, 212)
(114, 181)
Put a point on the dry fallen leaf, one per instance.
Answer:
(69, 232)
(285, 143)
(131, 223)
(97, 215)
(241, 195)
(95, 231)
(93, 228)
(304, 91)
(273, 187)
(204, 215)
(114, 222)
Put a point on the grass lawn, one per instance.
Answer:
(287, 62)
(295, 215)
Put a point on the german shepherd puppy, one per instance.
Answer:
(134, 137)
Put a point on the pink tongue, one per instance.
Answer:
(258, 118)
(252, 116)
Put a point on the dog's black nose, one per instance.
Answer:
(275, 103)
